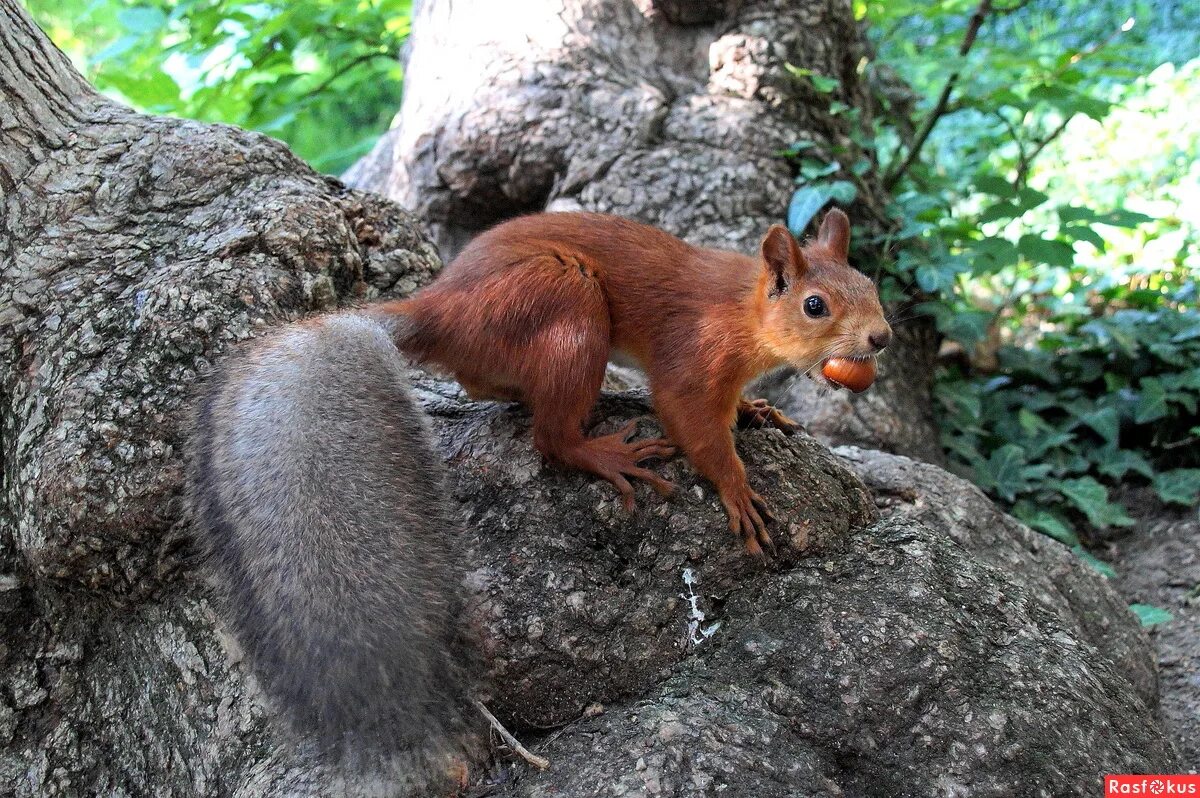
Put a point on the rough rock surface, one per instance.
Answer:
(943, 650)
(671, 113)
(134, 250)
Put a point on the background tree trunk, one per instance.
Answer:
(908, 633)
(672, 113)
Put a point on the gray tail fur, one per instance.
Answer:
(319, 503)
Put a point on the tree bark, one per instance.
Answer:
(908, 635)
(671, 113)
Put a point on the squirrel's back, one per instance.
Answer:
(320, 505)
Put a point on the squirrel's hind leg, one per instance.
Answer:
(566, 360)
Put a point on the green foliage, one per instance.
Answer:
(1149, 615)
(322, 75)
(1095, 403)
(1045, 216)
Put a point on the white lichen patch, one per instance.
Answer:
(697, 632)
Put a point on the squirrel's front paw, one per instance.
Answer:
(757, 413)
(748, 517)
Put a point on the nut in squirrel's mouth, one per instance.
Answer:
(854, 372)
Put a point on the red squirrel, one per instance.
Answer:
(533, 309)
(318, 497)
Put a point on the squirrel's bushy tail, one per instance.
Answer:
(320, 505)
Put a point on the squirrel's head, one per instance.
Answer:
(816, 305)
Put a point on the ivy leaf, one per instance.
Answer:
(1105, 421)
(1091, 498)
(1152, 403)
(1101, 567)
(1046, 522)
(1116, 463)
(1008, 472)
(1149, 615)
(1179, 486)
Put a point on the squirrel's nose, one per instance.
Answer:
(880, 338)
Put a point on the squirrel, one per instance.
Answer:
(533, 309)
(318, 499)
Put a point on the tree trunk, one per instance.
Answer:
(672, 113)
(133, 249)
(907, 636)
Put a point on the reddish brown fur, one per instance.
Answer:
(532, 310)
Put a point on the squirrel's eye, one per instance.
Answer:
(815, 306)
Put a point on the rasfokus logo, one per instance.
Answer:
(1151, 785)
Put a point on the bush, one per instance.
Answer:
(1045, 216)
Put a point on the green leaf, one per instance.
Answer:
(843, 192)
(968, 327)
(929, 278)
(796, 149)
(1152, 401)
(1045, 521)
(1084, 233)
(1105, 421)
(805, 204)
(820, 82)
(809, 200)
(1149, 615)
(1101, 567)
(1116, 463)
(993, 254)
(1091, 498)
(1179, 486)
(1048, 251)
(1074, 213)
(1004, 471)
(1030, 198)
(1123, 218)
(1000, 210)
(813, 169)
(995, 186)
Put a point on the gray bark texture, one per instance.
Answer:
(671, 113)
(909, 639)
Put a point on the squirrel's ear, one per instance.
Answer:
(785, 262)
(835, 232)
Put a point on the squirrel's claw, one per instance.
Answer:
(748, 517)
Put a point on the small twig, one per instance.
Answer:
(343, 70)
(1027, 159)
(939, 109)
(538, 762)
